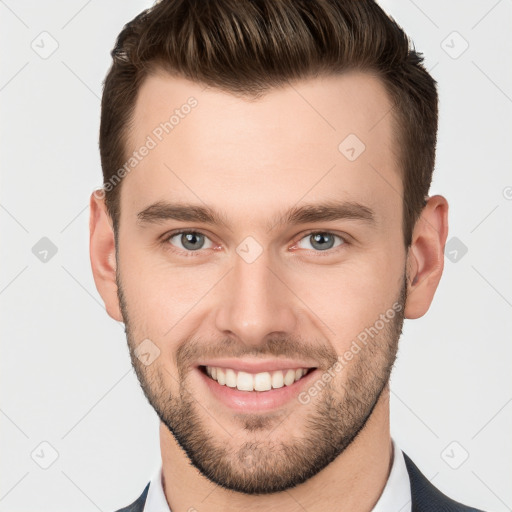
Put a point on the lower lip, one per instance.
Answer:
(256, 401)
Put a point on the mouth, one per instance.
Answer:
(255, 392)
(262, 381)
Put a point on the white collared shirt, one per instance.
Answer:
(396, 496)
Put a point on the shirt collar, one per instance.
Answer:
(396, 496)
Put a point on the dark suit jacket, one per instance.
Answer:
(425, 497)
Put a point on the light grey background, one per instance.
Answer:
(66, 378)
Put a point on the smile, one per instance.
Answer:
(263, 381)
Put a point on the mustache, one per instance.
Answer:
(191, 350)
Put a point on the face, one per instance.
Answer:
(286, 252)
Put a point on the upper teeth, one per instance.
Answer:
(255, 382)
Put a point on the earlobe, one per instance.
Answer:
(425, 259)
(103, 255)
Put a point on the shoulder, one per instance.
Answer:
(138, 504)
(427, 498)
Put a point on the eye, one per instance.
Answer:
(189, 241)
(321, 241)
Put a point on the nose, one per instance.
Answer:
(254, 301)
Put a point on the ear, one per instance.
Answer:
(425, 258)
(102, 252)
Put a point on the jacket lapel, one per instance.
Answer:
(138, 504)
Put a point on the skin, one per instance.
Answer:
(252, 160)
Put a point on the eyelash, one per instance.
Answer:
(188, 254)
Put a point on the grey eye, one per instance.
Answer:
(190, 240)
(321, 241)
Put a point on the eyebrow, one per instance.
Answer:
(162, 211)
(320, 212)
(323, 212)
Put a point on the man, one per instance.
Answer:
(263, 230)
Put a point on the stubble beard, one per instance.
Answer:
(260, 459)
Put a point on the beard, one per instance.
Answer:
(257, 462)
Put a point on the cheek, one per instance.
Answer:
(158, 295)
(351, 297)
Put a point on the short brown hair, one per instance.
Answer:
(246, 47)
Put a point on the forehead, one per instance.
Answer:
(327, 137)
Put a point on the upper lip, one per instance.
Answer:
(257, 365)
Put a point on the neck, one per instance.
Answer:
(354, 481)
